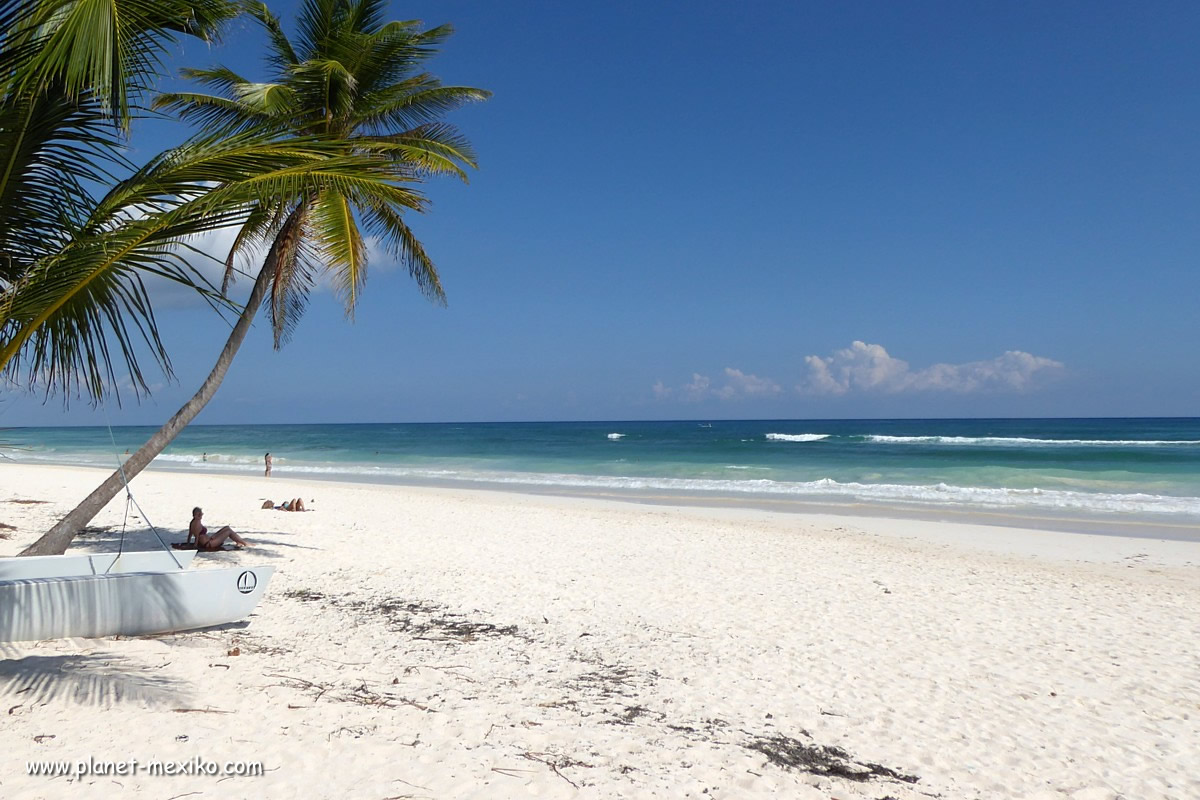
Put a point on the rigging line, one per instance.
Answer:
(121, 468)
(129, 498)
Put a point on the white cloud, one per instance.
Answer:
(866, 367)
(378, 256)
(697, 389)
(742, 385)
(737, 385)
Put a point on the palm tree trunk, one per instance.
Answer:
(56, 540)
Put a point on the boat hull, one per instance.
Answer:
(128, 604)
(13, 569)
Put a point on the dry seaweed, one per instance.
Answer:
(632, 713)
(422, 620)
(607, 680)
(304, 595)
(556, 763)
(406, 617)
(824, 760)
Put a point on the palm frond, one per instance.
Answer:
(293, 269)
(110, 49)
(365, 15)
(281, 54)
(417, 101)
(271, 99)
(433, 149)
(318, 19)
(325, 87)
(341, 245)
(399, 240)
(260, 221)
(221, 78)
(51, 149)
(212, 112)
(394, 53)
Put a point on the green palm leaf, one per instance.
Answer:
(72, 74)
(108, 49)
(341, 245)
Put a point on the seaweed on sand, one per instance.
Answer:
(304, 595)
(818, 759)
(422, 620)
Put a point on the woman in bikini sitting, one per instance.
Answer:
(204, 541)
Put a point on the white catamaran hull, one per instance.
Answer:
(12, 569)
(128, 604)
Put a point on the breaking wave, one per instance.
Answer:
(935, 495)
(1018, 441)
(796, 437)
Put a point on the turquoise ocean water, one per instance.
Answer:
(1141, 471)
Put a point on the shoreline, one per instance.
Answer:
(493, 644)
(1124, 477)
(1099, 523)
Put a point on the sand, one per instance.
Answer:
(444, 643)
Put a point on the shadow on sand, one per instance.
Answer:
(94, 679)
(105, 540)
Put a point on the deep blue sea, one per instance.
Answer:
(1116, 469)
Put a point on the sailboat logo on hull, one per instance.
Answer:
(246, 582)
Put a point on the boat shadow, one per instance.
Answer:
(191, 638)
(93, 679)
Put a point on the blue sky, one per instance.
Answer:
(696, 210)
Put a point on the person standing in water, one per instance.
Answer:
(267, 460)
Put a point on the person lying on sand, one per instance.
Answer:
(206, 542)
(288, 505)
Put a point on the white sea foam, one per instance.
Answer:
(215, 458)
(935, 495)
(616, 436)
(796, 437)
(1019, 441)
(940, 494)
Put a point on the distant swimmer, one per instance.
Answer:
(267, 461)
(204, 457)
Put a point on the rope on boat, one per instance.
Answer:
(130, 500)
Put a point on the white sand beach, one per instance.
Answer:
(452, 644)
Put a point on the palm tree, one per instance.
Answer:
(351, 80)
